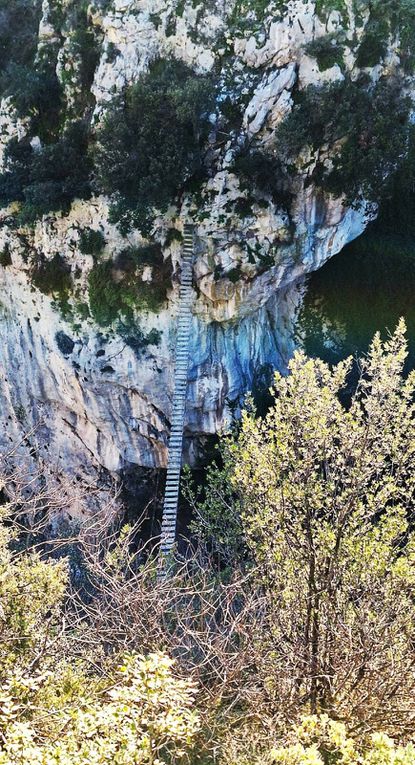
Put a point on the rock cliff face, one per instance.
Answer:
(89, 399)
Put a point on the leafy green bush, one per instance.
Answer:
(319, 740)
(19, 23)
(91, 241)
(374, 45)
(371, 120)
(136, 339)
(150, 143)
(327, 51)
(266, 172)
(52, 276)
(322, 500)
(55, 709)
(325, 7)
(5, 258)
(144, 714)
(46, 179)
(132, 257)
(115, 288)
(36, 93)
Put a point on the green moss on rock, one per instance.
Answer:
(117, 289)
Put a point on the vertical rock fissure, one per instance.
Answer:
(184, 321)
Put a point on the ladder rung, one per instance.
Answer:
(182, 358)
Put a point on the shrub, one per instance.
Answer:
(372, 121)
(374, 45)
(91, 241)
(327, 51)
(325, 7)
(52, 276)
(5, 257)
(324, 503)
(116, 288)
(145, 715)
(19, 23)
(83, 45)
(64, 343)
(266, 172)
(132, 710)
(36, 93)
(318, 740)
(47, 179)
(132, 257)
(136, 339)
(150, 144)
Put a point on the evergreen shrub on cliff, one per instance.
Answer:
(36, 95)
(368, 122)
(47, 178)
(117, 288)
(150, 142)
(19, 23)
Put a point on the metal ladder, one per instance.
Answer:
(171, 496)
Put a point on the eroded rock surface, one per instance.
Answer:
(97, 401)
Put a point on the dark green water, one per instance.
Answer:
(371, 283)
(367, 287)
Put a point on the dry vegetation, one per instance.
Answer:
(290, 626)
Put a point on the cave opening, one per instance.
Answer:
(366, 288)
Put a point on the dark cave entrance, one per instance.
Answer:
(365, 288)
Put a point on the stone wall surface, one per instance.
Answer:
(94, 402)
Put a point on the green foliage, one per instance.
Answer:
(55, 709)
(371, 121)
(327, 51)
(266, 172)
(112, 52)
(251, 15)
(325, 7)
(388, 19)
(49, 178)
(31, 592)
(217, 520)
(83, 45)
(324, 498)
(375, 275)
(173, 235)
(144, 718)
(136, 339)
(320, 741)
(404, 20)
(374, 45)
(117, 289)
(19, 22)
(52, 277)
(5, 258)
(91, 241)
(36, 93)
(149, 145)
(234, 274)
(146, 255)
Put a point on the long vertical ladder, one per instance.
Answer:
(171, 496)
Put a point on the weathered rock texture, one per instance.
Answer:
(94, 401)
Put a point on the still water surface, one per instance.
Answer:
(365, 288)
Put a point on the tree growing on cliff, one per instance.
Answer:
(150, 141)
(322, 497)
